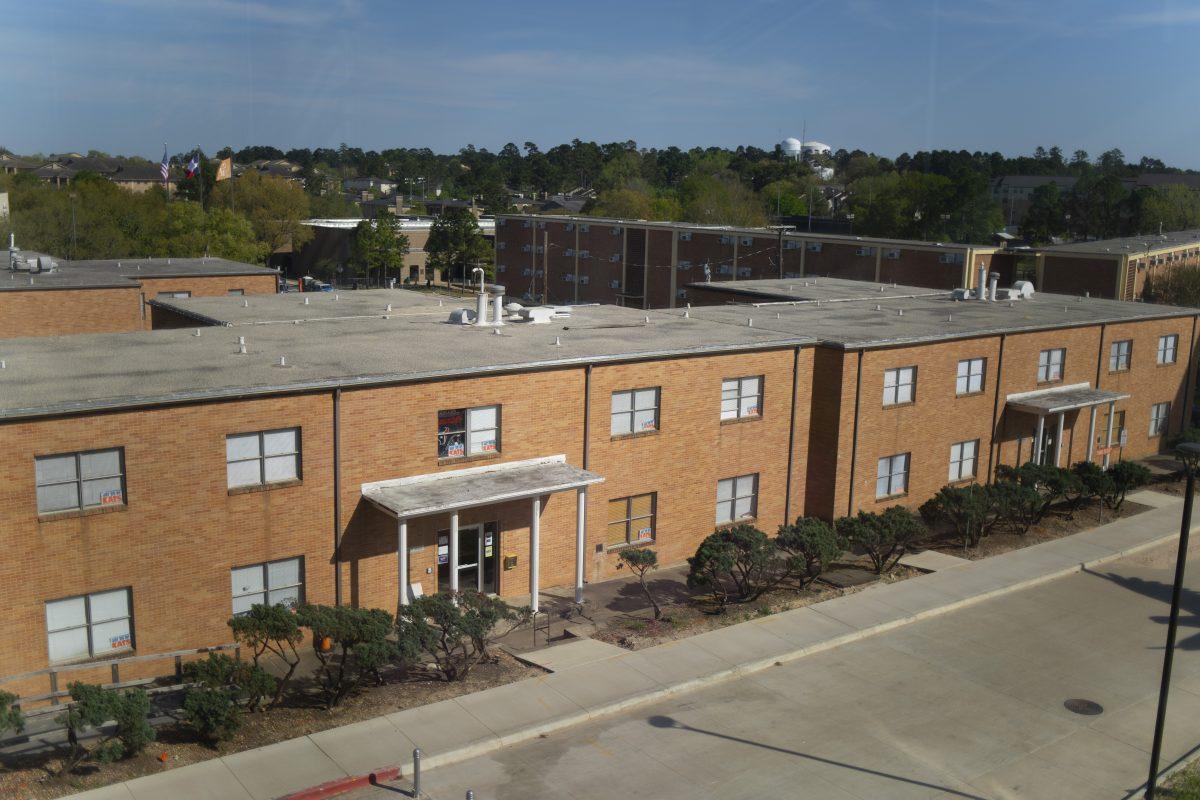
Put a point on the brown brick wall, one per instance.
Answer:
(1074, 276)
(205, 286)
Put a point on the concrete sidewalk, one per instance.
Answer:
(591, 679)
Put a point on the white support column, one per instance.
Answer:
(580, 540)
(1039, 440)
(454, 551)
(535, 524)
(402, 559)
(1092, 434)
(1112, 412)
(1058, 440)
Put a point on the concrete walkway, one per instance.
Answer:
(592, 680)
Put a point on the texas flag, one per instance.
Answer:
(193, 166)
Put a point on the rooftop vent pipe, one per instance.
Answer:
(981, 284)
(497, 305)
(481, 299)
(995, 280)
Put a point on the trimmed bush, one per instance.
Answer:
(1125, 476)
(970, 511)
(1050, 482)
(11, 718)
(248, 683)
(457, 636)
(352, 645)
(1019, 504)
(213, 713)
(92, 706)
(884, 537)
(270, 629)
(642, 560)
(811, 544)
(738, 562)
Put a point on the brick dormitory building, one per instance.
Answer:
(359, 447)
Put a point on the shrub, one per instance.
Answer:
(1050, 482)
(1125, 476)
(351, 645)
(11, 718)
(1018, 504)
(970, 511)
(92, 706)
(642, 560)
(737, 562)
(1097, 482)
(213, 713)
(456, 635)
(270, 629)
(246, 682)
(884, 537)
(811, 544)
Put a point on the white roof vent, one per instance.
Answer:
(462, 316)
(1023, 289)
(537, 315)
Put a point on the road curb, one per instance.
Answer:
(339, 786)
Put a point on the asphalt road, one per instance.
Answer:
(965, 705)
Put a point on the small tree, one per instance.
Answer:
(11, 718)
(91, 707)
(213, 713)
(1097, 482)
(642, 560)
(1018, 504)
(351, 644)
(885, 537)
(811, 544)
(737, 562)
(247, 682)
(970, 511)
(1125, 476)
(1050, 482)
(456, 635)
(270, 629)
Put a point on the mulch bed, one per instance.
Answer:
(36, 782)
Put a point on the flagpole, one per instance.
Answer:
(200, 173)
(166, 178)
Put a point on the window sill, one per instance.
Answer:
(1118, 371)
(970, 394)
(442, 462)
(1050, 383)
(887, 498)
(1166, 363)
(616, 548)
(739, 420)
(734, 523)
(900, 405)
(51, 516)
(960, 482)
(97, 660)
(634, 435)
(263, 487)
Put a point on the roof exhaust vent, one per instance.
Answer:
(283, 361)
(558, 341)
(306, 301)
(197, 333)
(687, 313)
(389, 307)
(878, 307)
(245, 304)
(647, 319)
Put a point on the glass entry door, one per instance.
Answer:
(478, 554)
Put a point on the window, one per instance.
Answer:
(726, 240)
(631, 520)
(970, 376)
(272, 583)
(501, 245)
(1050, 365)
(468, 431)
(962, 460)
(236, 292)
(1160, 414)
(737, 498)
(173, 295)
(741, 397)
(584, 228)
(685, 236)
(75, 481)
(865, 251)
(262, 458)
(570, 226)
(893, 255)
(899, 385)
(1168, 347)
(585, 253)
(89, 626)
(634, 411)
(791, 244)
(685, 264)
(892, 477)
(747, 241)
(568, 252)
(813, 247)
(1118, 356)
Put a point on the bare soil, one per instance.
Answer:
(177, 746)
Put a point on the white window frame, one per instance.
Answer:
(1120, 353)
(473, 433)
(124, 644)
(747, 402)
(107, 499)
(268, 587)
(1160, 418)
(732, 493)
(263, 457)
(899, 386)
(1049, 369)
(891, 476)
(964, 460)
(173, 295)
(1168, 348)
(634, 411)
(968, 380)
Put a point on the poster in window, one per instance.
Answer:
(443, 550)
(451, 433)
(112, 497)
(120, 641)
(644, 533)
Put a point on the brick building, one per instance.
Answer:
(649, 264)
(1116, 268)
(359, 447)
(41, 296)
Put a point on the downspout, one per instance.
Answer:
(996, 409)
(787, 492)
(1189, 386)
(1100, 355)
(337, 496)
(854, 436)
(587, 412)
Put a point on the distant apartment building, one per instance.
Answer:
(567, 259)
(1116, 268)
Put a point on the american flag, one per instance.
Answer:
(166, 164)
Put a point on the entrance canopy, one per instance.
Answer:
(1065, 398)
(442, 492)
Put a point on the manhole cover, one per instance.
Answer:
(1086, 707)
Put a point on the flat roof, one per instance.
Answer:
(832, 290)
(791, 233)
(856, 322)
(167, 267)
(1129, 245)
(19, 281)
(83, 372)
(1066, 398)
(287, 307)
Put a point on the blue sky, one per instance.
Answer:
(888, 76)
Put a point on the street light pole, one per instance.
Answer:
(1189, 454)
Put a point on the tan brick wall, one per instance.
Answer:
(180, 532)
(60, 312)
(204, 286)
